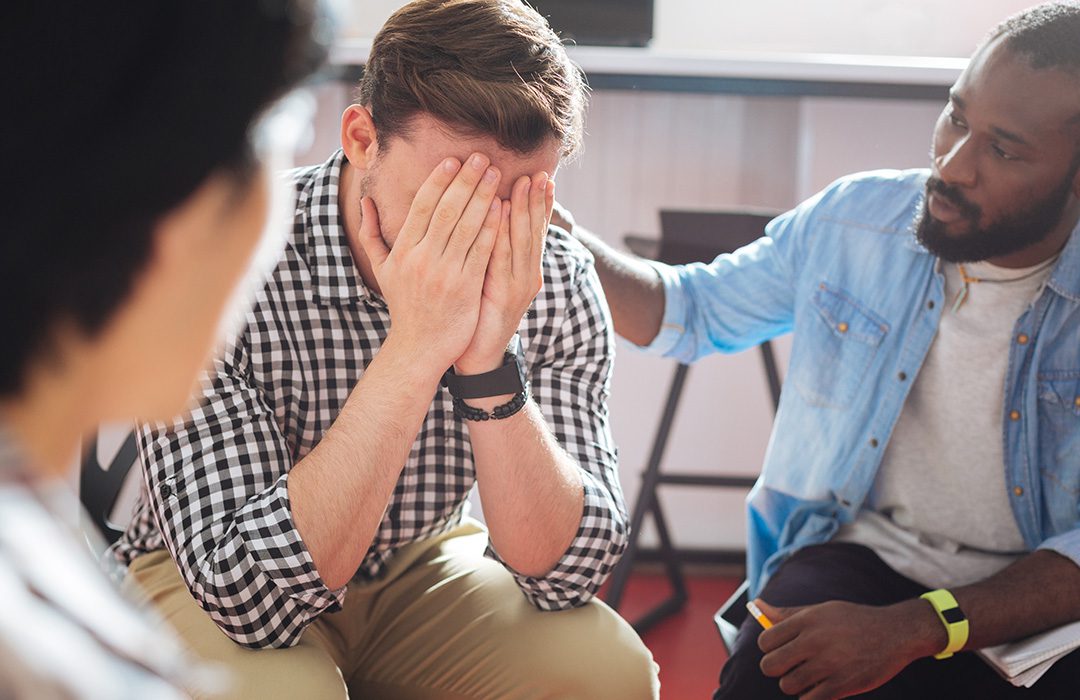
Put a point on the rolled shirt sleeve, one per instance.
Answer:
(1067, 544)
(218, 484)
(571, 384)
(740, 299)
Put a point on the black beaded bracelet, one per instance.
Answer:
(466, 412)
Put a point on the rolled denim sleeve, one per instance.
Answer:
(1067, 544)
(740, 299)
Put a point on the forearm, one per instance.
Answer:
(632, 287)
(530, 488)
(340, 490)
(1035, 594)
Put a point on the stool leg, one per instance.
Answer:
(646, 500)
(772, 374)
(673, 566)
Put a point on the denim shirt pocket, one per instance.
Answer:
(1059, 439)
(838, 343)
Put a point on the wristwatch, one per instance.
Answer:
(511, 378)
(950, 614)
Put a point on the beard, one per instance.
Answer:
(367, 189)
(1011, 233)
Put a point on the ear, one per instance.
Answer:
(358, 136)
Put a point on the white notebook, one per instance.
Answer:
(1024, 662)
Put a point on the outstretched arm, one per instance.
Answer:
(633, 288)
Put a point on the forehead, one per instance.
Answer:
(415, 152)
(1002, 89)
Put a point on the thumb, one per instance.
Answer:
(370, 236)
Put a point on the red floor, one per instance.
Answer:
(687, 645)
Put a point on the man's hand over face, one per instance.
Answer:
(433, 278)
(835, 649)
(514, 274)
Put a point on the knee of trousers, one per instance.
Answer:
(599, 656)
(303, 671)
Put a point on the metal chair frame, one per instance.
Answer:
(686, 237)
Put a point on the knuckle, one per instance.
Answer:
(445, 214)
(421, 208)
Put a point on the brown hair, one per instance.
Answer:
(484, 67)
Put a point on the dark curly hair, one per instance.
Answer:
(115, 113)
(1048, 34)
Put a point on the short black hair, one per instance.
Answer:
(116, 112)
(1048, 35)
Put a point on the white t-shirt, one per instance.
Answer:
(939, 510)
(65, 632)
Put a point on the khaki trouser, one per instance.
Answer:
(442, 622)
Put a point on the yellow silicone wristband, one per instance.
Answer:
(957, 630)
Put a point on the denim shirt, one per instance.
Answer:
(846, 273)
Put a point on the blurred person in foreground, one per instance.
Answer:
(134, 203)
(920, 497)
(424, 332)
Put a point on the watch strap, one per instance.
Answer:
(950, 614)
(499, 381)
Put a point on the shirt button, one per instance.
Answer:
(873, 442)
(1022, 339)
(930, 304)
(165, 490)
(1014, 415)
(1018, 490)
(842, 327)
(1076, 402)
(902, 376)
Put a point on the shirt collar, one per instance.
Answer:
(334, 275)
(1064, 279)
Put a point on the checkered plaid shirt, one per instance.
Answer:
(215, 488)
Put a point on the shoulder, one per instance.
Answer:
(884, 200)
(566, 260)
(302, 179)
(570, 310)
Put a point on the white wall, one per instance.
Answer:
(900, 27)
(897, 27)
(646, 151)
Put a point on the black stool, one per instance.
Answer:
(686, 236)
(100, 485)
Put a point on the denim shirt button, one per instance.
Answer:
(1022, 339)
(873, 442)
(1014, 415)
(1018, 490)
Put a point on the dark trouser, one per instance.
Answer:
(851, 572)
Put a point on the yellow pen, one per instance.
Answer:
(755, 611)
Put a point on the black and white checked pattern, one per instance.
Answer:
(215, 484)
